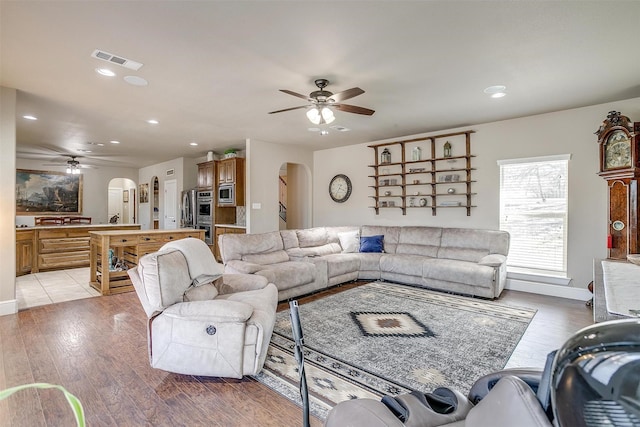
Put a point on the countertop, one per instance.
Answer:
(231, 225)
(58, 227)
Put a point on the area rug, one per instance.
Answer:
(385, 339)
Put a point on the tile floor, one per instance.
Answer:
(50, 287)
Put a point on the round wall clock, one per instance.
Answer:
(340, 188)
(617, 152)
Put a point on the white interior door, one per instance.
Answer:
(170, 204)
(114, 205)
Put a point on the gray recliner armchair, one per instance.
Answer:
(201, 321)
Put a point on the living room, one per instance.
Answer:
(561, 130)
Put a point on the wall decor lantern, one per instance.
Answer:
(385, 157)
(447, 149)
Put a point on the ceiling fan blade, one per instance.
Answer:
(299, 95)
(347, 94)
(288, 109)
(353, 109)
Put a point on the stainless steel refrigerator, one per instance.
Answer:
(188, 208)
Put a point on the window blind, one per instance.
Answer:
(533, 209)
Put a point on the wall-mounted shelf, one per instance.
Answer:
(428, 171)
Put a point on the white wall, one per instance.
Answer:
(185, 171)
(565, 132)
(8, 304)
(95, 185)
(263, 164)
(298, 203)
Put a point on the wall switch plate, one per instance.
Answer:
(256, 205)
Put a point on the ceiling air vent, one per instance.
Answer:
(109, 57)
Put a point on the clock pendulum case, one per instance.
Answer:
(618, 141)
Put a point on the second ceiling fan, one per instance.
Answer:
(322, 101)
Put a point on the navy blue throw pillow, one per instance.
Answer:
(372, 244)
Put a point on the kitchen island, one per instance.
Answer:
(56, 247)
(114, 252)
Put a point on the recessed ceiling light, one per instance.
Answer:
(115, 142)
(340, 128)
(313, 129)
(193, 144)
(100, 144)
(135, 80)
(324, 132)
(30, 117)
(497, 91)
(153, 121)
(105, 72)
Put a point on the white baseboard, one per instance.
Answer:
(8, 307)
(547, 289)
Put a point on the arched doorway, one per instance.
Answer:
(121, 205)
(294, 196)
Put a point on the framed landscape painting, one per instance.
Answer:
(43, 192)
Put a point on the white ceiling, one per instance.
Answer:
(215, 69)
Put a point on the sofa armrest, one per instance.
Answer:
(243, 267)
(233, 283)
(212, 311)
(493, 260)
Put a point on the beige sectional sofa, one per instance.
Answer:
(298, 262)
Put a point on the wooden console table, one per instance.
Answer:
(128, 247)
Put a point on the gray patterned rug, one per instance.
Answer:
(384, 338)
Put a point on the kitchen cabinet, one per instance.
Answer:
(231, 171)
(227, 170)
(128, 247)
(25, 245)
(437, 180)
(206, 175)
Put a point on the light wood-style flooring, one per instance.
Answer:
(96, 347)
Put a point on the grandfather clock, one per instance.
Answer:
(618, 140)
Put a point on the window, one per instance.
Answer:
(533, 209)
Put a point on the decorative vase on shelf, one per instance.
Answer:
(385, 157)
(416, 154)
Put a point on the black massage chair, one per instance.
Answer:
(593, 380)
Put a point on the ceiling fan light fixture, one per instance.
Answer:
(314, 115)
(327, 115)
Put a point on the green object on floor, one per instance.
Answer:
(73, 401)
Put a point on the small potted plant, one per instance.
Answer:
(230, 152)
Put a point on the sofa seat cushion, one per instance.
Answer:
(369, 261)
(343, 263)
(289, 274)
(468, 273)
(410, 265)
(329, 248)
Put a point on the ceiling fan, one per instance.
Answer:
(73, 165)
(322, 101)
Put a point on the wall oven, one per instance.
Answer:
(226, 195)
(204, 214)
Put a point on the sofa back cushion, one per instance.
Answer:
(267, 258)
(312, 237)
(391, 235)
(423, 241)
(235, 246)
(165, 277)
(472, 245)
